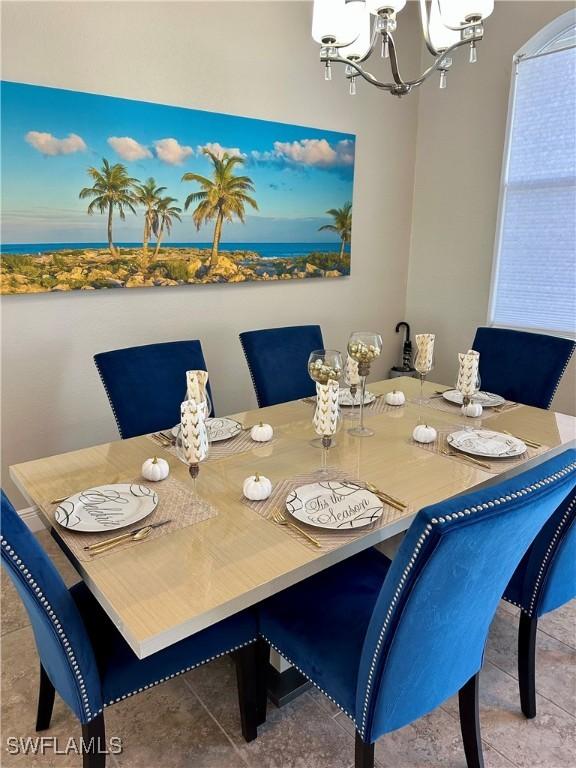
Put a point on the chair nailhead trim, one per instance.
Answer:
(308, 678)
(176, 674)
(562, 374)
(418, 546)
(256, 392)
(57, 626)
(109, 398)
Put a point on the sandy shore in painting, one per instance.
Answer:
(86, 269)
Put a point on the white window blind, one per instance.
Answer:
(534, 283)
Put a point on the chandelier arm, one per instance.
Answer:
(359, 71)
(394, 66)
(426, 28)
(405, 85)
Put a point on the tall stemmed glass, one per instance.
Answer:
(364, 347)
(352, 381)
(424, 361)
(324, 365)
(327, 419)
(192, 444)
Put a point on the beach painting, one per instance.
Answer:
(100, 192)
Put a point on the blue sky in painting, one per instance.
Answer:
(51, 136)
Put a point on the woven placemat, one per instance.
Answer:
(223, 448)
(175, 503)
(494, 466)
(326, 538)
(374, 408)
(438, 403)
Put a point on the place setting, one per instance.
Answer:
(226, 436)
(323, 508)
(488, 449)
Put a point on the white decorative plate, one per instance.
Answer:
(218, 429)
(346, 400)
(485, 442)
(106, 507)
(486, 399)
(335, 505)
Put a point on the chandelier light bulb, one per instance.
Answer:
(360, 47)
(375, 6)
(440, 36)
(457, 12)
(337, 22)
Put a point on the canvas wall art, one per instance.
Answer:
(100, 192)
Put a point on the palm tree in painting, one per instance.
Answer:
(148, 195)
(112, 190)
(220, 198)
(342, 225)
(164, 214)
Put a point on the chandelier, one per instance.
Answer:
(348, 35)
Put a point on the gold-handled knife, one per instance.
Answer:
(115, 539)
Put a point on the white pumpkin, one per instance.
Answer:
(261, 433)
(424, 434)
(395, 397)
(155, 469)
(257, 487)
(474, 410)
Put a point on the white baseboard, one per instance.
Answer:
(32, 519)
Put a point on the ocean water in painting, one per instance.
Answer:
(101, 192)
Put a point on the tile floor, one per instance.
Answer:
(192, 721)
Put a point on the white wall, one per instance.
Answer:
(459, 155)
(252, 59)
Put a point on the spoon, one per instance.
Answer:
(143, 533)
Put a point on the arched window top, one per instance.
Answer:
(556, 36)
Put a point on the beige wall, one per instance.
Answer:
(459, 155)
(253, 59)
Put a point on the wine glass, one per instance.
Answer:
(182, 451)
(327, 442)
(364, 347)
(424, 360)
(324, 365)
(352, 380)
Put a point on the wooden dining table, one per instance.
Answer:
(162, 590)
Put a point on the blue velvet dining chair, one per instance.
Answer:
(521, 366)
(146, 385)
(388, 642)
(278, 362)
(84, 657)
(544, 580)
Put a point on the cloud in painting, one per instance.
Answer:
(128, 148)
(218, 150)
(309, 153)
(48, 144)
(171, 152)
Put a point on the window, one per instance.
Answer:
(534, 278)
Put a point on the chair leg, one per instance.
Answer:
(363, 753)
(247, 677)
(45, 701)
(470, 722)
(262, 664)
(527, 663)
(94, 741)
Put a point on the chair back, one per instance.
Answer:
(62, 641)
(427, 633)
(520, 366)
(546, 577)
(278, 362)
(146, 385)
